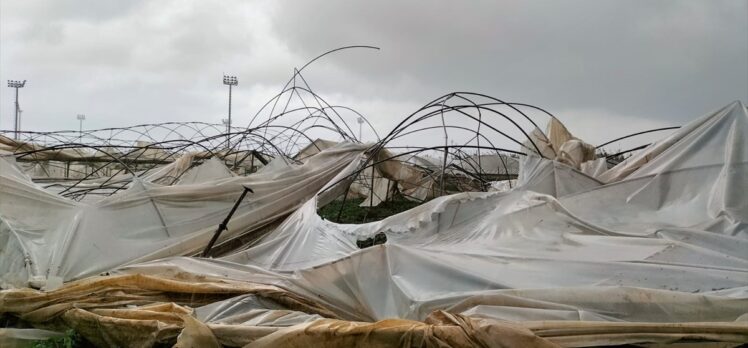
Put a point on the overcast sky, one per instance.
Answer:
(605, 68)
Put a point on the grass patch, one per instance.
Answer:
(353, 214)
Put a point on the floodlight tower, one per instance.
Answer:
(17, 125)
(81, 118)
(229, 81)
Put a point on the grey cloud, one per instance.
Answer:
(634, 64)
(656, 59)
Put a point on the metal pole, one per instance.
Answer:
(446, 151)
(230, 107)
(17, 126)
(224, 224)
(360, 121)
(80, 118)
(228, 126)
(20, 118)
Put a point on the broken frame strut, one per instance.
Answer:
(224, 224)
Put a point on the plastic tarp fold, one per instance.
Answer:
(47, 239)
(136, 310)
(140, 311)
(559, 144)
(594, 167)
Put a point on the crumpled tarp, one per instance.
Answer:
(135, 310)
(594, 167)
(559, 144)
(141, 311)
(46, 239)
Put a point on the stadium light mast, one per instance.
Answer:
(80, 118)
(17, 122)
(229, 81)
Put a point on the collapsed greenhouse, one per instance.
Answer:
(123, 235)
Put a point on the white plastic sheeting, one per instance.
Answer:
(46, 239)
(252, 310)
(210, 170)
(559, 144)
(594, 167)
(662, 239)
(666, 243)
(550, 177)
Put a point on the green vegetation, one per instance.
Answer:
(353, 214)
(71, 339)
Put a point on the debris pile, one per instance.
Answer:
(543, 242)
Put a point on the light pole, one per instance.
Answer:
(80, 118)
(225, 122)
(360, 121)
(229, 81)
(20, 116)
(17, 125)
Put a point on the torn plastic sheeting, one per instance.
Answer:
(553, 178)
(47, 237)
(252, 310)
(381, 181)
(595, 167)
(661, 247)
(560, 145)
(196, 334)
(164, 175)
(502, 186)
(440, 330)
(136, 310)
(496, 164)
(575, 152)
(354, 289)
(462, 245)
(571, 334)
(445, 329)
(210, 170)
(314, 148)
(703, 141)
(693, 180)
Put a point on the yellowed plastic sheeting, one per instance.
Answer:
(135, 311)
